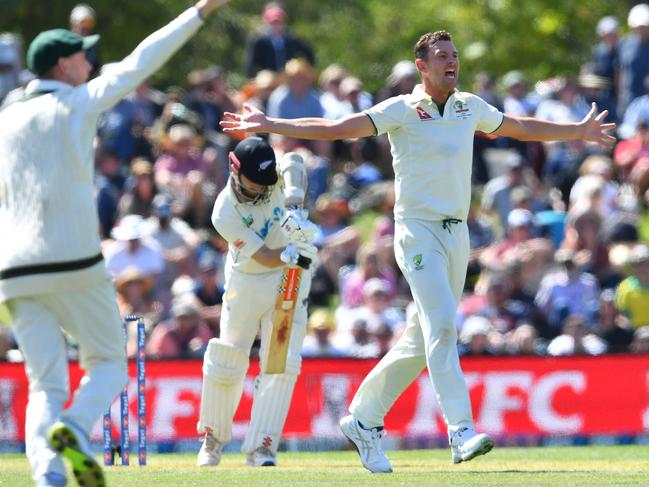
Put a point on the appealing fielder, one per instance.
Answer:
(431, 134)
(263, 237)
(52, 274)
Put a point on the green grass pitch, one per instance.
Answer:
(560, 466)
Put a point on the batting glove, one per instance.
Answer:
(297, 228)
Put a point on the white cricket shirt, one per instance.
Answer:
(247, 227)
(432, 153)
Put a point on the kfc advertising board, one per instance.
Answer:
(510, 395)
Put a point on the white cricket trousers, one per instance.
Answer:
(249, 304)
(433, 258)
(90, 316)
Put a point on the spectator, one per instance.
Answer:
(356, 100)
(131, 251)
(209, 96)
(575, 339)
(584, 236)
(9, 63)
(141, 189)
(593, 168)
(181, 158)
(109, 182)
(296, 98)
(208, 290)
(383, 337)
(637, 112)
(567, 291)
(496, 197)
(640, 343)
(524, 340)
(612, 327)
(369, 265)
(485, 87)
(567, 106)
(82, 21)
(516, 101)
(183, 336)
(331, 214)
(276, 46)
(474, 337)
(332, 100)
(376, 309)
(480, 231)
(357, 342)
(634, 57)
(261, 88)
(318, 342)
(629, 153)
(632, 294)
(135, 297)
(175, 240)
(401, 81)
(520, 227)
(606, 56)
(181, 173)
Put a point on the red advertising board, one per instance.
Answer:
(510, 395)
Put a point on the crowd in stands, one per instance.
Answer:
(559, 232)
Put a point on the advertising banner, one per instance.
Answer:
(511, 396)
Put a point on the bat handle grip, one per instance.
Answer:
(303, 262)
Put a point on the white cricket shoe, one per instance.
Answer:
(210, 453)
(261, 457)
(367, 443)
(466, 444)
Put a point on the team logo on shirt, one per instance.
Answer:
(460, 107)
(417, 260)
(247, 220)
(423, 114)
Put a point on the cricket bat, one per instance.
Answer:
(285, 302)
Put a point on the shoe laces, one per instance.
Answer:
(458, 434)
(210, 442)
(376, 435)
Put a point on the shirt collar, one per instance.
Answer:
(419, 94)
(46, 85)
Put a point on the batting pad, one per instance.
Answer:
(224, 370)
(272, 398)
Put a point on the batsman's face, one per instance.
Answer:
(442, 66)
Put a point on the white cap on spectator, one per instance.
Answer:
(375, 285)
(131, 227)
(607, 25)
(639, 16)
(474, 325)
(520, 217)
(180, 132)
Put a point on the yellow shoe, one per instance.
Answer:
(70, 442)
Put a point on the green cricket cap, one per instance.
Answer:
(48, 46)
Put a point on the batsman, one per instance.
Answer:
(267, 281)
